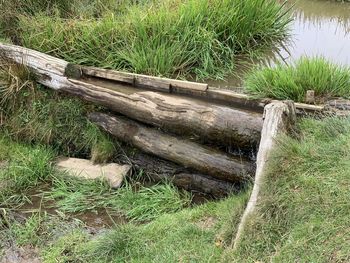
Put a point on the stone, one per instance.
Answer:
(114, 173)
(310, 97)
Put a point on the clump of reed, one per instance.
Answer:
(169, 38)
(292, 81)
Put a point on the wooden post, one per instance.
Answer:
(279, 117)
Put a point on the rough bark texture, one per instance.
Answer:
(184, 152)
(279, 117)
(162, 170)
(176, 113)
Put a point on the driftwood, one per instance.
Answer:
(279, 117)
(184, 152)
(161, 170)
(175, 113)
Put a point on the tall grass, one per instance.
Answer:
(292, 81)
(168, 38)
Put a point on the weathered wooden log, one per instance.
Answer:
(279, 117)
(184, 152)
(178, 114)
(161, 170)
(144, 80)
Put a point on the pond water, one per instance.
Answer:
(319, 28)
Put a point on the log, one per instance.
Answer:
(161, 170)
(177, 114)
(279, 117)
(180, 151)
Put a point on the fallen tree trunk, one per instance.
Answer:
(184, 152)
(161, 170)
(176, 113)
(279, 117)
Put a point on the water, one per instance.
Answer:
(319, 28)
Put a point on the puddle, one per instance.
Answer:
(99, 219)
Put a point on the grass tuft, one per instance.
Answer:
(143, 204)
(292, 81)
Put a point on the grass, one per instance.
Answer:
(143, 204)
(292, 81)
(166, 38)
(27, 167)
(191, 235)
(303, 211)
(32, 114)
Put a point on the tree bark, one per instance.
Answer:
(184, 152)
(161, 170)
(176, 113)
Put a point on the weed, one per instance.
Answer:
(292, 81)
(168, 38)
(144, 204)
(66, 248)
(172, 237)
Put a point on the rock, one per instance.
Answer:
(113, 173)
(310, 97)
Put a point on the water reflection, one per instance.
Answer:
(320, 28)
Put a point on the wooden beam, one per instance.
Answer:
(186, 153)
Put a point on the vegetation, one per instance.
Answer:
(303, 211)
(167, 38)
(292, 81)
(147, 203)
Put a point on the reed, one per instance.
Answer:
(171, 38)
(292, 81)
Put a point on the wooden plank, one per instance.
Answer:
(109, 74)
(179, 114)
(143, 80)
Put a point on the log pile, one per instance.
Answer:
(158, 117)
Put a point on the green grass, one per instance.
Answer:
(166, 38)
(27, 167)
(142, 204)
(191, 235)
(32, 114)
(303, 213)
(292, 81)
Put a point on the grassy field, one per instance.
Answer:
(174, 38)
(292, 81)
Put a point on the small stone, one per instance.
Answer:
(310, 97)
(114, 173)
